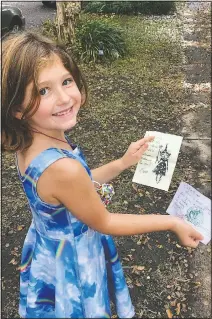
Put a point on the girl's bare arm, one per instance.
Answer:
(107, 172)
(70, 184)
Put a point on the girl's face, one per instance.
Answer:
(60, 99)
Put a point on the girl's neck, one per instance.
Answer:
(57, 135)
(43, 139)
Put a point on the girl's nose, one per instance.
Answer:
(62, 96)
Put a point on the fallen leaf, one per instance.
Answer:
(142, 211)
(138, 268)
(134, 187)
(130, 257)
(13, 261)
(197, 283)
(169, 313)
(178, 308)
(20, 227)
(138, 284)
(14, 253)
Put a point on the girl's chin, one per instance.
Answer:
(70, 125)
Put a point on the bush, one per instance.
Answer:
(99, 41)
(49, 29)
(123, 7)
(131, 7)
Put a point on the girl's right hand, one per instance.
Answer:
(187, 235)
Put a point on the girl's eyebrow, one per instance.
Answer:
(49, 82)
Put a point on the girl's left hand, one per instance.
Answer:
(135, 152)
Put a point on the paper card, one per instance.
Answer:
(193, 207)
(157, 164)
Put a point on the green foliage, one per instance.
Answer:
(131, 7)
(95, 36)
(49, 29)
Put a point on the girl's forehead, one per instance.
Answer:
(52, 65)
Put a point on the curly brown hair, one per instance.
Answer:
(23, 55)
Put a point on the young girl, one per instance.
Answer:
(69, 267)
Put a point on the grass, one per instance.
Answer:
(153, 49)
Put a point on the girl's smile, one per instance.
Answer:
(65, 112)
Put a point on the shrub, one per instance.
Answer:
(99, 41)
(49, 29)
(130, 7)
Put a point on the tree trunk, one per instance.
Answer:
(68, 13)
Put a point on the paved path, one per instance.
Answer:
(34, 11)
(197, 132)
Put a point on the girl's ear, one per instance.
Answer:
(18, 115)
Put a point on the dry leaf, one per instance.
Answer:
(13, 261)
(178, 309)
(169, 313)
(14, 253)
(134, 187)
(130, 257)
(20, 227)
(137, 268)
(138, 284)
(197, 283)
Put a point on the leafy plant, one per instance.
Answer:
(99, 41)
(49, 29)
(130, 7)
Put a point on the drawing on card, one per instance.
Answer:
(162, 160)
(157, 164)
(195, 216)
(193, 207)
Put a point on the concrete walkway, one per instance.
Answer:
(196, 123)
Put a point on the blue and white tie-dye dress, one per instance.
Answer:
(67, 270)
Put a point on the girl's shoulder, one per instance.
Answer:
(40, 159)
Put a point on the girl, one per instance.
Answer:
(69, 267)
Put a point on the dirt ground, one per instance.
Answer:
(165, 279)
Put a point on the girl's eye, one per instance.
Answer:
(67, 81)
(43, 91)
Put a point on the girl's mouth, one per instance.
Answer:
(65, 112)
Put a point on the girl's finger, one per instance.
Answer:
(142, 149)
(197, 235)
(144, 140)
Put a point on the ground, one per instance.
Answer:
(151, 89)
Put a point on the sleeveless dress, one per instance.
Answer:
(67, 270)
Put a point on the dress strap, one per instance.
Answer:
(41, 162)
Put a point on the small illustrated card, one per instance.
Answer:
(157, 164)
(193, 207)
